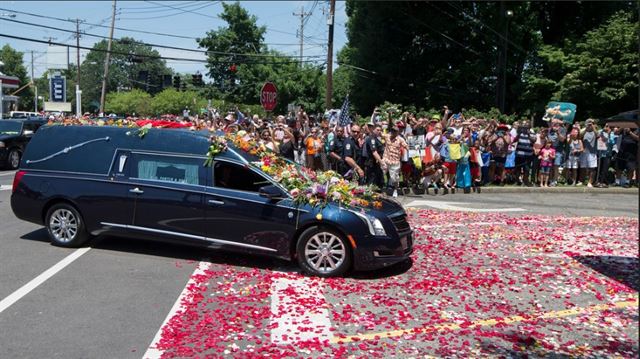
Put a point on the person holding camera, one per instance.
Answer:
(575, 149)
(524, 153)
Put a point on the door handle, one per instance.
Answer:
(136, 190)
(213, 202)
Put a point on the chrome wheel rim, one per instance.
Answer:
(325, 252)
(63, 225)
(14, 159)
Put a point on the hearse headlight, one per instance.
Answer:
(375, 226)
(2, 144)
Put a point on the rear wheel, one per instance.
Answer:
(65, 226)
(13, 160)
(323, 252)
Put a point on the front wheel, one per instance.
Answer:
(13, 160)
(323, 252)
(65, 226)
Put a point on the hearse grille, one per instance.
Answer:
(401, 223)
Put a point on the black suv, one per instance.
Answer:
(14, 136)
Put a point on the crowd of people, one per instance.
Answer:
(444, 152)
(450, 151)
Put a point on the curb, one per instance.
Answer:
(513, 189)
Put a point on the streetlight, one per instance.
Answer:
(503, 98)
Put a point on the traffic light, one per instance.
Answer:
(196, 80)
(166, 81)
(176, 82)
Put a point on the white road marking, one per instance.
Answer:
(299, 311)
(11, 173)
(448, 225)
(459, 206)
(153, 352)
(5, 187)
(34, 283)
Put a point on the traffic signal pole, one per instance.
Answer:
(106, 62)
(329, 93)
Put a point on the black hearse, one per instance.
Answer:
(83, 181)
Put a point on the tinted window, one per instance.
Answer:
(183, 170)
(10, 128)
(232, 176)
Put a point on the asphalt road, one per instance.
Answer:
(111, 301)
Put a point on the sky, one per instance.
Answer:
(189, 19)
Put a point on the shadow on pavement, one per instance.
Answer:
(186, 252)
(39, 235)
(625, 270)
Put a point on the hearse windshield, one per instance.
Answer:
(10, 128)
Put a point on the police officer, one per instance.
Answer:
(352, 154)
(336, 149)
(373, 150)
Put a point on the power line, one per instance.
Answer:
(206, 52)
(103, 26)
(168, 15)
(149, 9)
(153, 57)
(190, 11)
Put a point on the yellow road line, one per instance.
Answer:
(489, 322)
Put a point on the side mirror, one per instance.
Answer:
(27, 133)
(270, 192)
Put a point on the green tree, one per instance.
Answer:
(228, 45)
(14, 66)
(125, 103)
(233, 45)
(129, 59)
(174, 102)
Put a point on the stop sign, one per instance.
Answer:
(268, 96)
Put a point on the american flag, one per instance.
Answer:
(344, 120)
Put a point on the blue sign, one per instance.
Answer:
(58, 89)
(564, 111)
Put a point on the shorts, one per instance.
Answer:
(545, 170)
(572, 162)
(394, 174)
(451, 167)
(588, 160)
(559, 160)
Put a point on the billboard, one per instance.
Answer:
(57, 57)
(58, 88)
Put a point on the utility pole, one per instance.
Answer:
(106, 62)
(33, 83)
(78, 91)
(78, 51)
(329, 94)
(302, 15)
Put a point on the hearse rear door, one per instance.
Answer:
(168, 196)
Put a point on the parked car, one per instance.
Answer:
(14, 137)
(84, 181)
(22, 114)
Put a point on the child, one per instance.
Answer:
(547, 156)
(575, 149)
(432, 173)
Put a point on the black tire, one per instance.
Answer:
(323, 252)
(65, 226)
(13, 159)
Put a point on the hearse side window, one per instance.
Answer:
(232, 176)
(183, 170)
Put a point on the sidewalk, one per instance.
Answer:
(558, 189)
